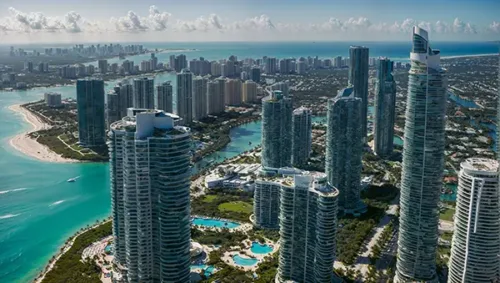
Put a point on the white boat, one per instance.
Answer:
(71, 180)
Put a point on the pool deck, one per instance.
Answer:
(244, 227)
(227, 257)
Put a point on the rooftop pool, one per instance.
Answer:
(210, 222)
(258, 248)
(244, 261)
(209, 269)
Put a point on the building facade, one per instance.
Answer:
(476, 238)
(233, 92)
(308, 226)
(358, 79)
(164, 94)
(301, 136)
(184, 96)
(215, 98)
(150, 179)
(255, 74)
(423, 163)
(344, 149)
(200, 91)
(52, 99)
(281, 86)
(249, 94)
(276, 130)
(112, 108)
(385, 108)
(91, 118)
(144, 93)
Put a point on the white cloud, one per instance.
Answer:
(462, 27)
(259, 23)
(158, 20)
(495, 27)
(213, 22)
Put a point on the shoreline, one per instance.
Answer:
(469, 56)
(30, 147)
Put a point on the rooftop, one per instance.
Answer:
(480, 164)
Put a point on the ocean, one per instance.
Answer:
(39, 210)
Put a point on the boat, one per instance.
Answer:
(71, 180)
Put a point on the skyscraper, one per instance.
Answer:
(358, 78)
(144, 93)
(165, 96)
(270, 66)
(423, 163)
(276, 130)
(200, 85)
(385, 108)
(255, 74)
(112, 107)
(90, 105)
(184, 96)
(281, 86)
(476, 237)
(150, 178)
(301, 136)
(249, 91)
(344, 150)
(233, 92)
(308, 225)
(215, 98)
(103, 66)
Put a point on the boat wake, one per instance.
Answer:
(11, 191)
(57, 202)
(7, 216)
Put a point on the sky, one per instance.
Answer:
(68, 21)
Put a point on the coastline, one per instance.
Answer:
(30, 147)
(469, 56)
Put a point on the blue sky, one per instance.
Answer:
(219, 20)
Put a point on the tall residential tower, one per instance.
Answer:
(358, 79)
(144, 93)
(164, 94)
(301, 136)
(423, 163)
(184, 96)
(385, 108)
(90, 105)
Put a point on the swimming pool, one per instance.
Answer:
(210, 222)
(258, 248)
(209, 269)
(108, 249)
(244, 261)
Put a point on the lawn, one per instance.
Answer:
(236, 206)
(209, 198)
(447, 214)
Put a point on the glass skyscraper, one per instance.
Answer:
(144, 93)
(385, 108)
(150, 174)
(423, 163)
(90, 105)
(358, 79)
(301, 136)
(276, 130)
(184, 96)
(344, 149)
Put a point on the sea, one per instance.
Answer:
(39, 209)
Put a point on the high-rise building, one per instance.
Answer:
(144, 93)
(276, 130)
(249, 91)
(271, 66)
(164, 93)
(301, 67)
(200, 90)
(112, 107)
(184, 96)
(178, 63)
(125, 92)
(337, 62)
(344, 150)
(150, 178)
(385, 108)
(301, 136)
(255, 74)
(476, 237)
(281, 86)
(90, 105)
(215, 98)
(103, 66)
(308, 226)
(215, 68)
(358, 78)
(52, 99)
(423, 163)
(233, 92)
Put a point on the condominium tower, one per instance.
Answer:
(200, 85)
(308, 225)
(385, 108)
(344, 149)
(144, 93)
(249, 93)
(90, 106)
(423, 163)
(358, 79)
(184, 96)
(301, 136)
(150, 178)
(276, 130)
(476, 240)
(164, 94)
(233, 92)
(112, 108)
(215, 98)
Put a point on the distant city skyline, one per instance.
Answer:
(28, 21)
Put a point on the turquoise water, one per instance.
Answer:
(108, 249)
(461, 101)
(39, 210)
(244, 261)
(258, 248)
(210, 222)
(209, 269)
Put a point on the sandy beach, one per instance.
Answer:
(469, 56)
(30, 147)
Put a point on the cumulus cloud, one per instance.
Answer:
(212, 22)
(462, 27)
(495, 27)
(262, 22)
(157, 19)
(38, 22)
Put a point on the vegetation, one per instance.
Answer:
(70, 267)
(225, 238)
(228, 204)
(267, 269)
(447, 214)
(382, 241)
